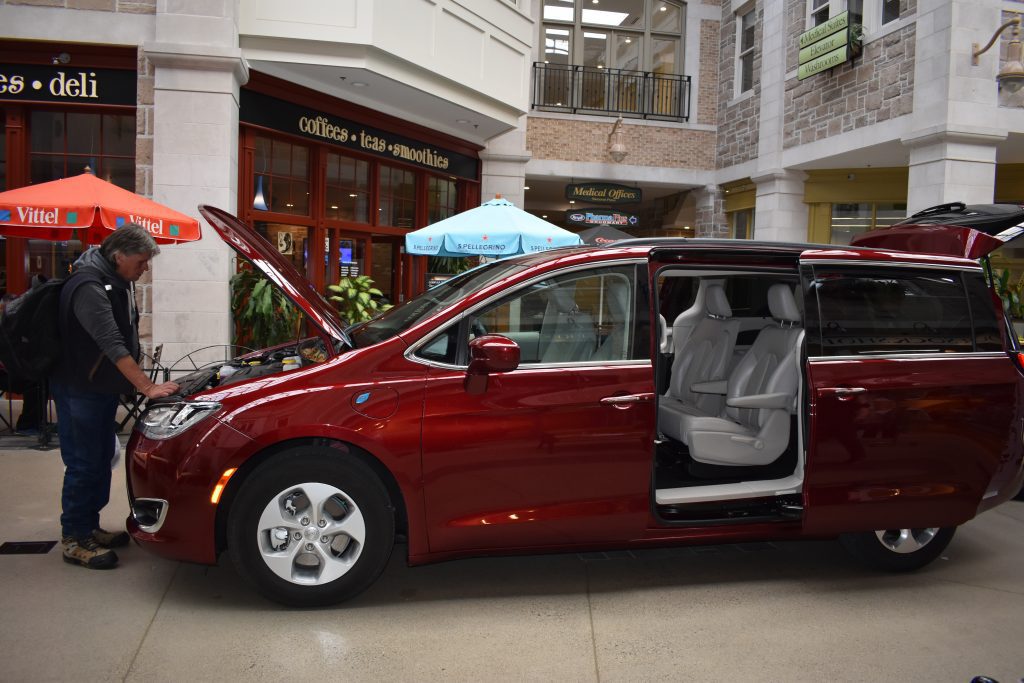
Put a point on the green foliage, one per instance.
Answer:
(357, 299)
(263, 314)
(1011, 291)
(447, 265)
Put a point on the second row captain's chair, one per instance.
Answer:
(703, 357)
(760, 395)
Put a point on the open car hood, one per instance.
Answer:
(263, 256)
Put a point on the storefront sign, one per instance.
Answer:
(37, 83)
(590, 217)
(270, 112)
(826, 46)
(603, 193)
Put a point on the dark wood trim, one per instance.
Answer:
(82, 55)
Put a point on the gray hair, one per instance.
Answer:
(130, 239)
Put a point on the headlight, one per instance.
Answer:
(164, 421)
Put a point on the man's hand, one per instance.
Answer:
(161, 390)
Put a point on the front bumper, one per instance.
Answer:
(169, 487)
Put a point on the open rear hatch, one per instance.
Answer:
(950, 230)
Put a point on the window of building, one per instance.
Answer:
(348, 189)
(282, 176)
(890, 11)
(849, 220)
(745, 27)
(63, 144)
(634, 35)
(442, 199)
(397, 197)
(872, 14)
(741, 224)
(292, 242)
(818, 11)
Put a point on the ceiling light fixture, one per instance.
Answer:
(358, 84)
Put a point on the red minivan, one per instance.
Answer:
(650, 393)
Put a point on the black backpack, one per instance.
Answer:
(30, 345)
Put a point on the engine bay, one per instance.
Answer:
(312, 351)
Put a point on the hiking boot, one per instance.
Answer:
(88, 553)
(111, 539)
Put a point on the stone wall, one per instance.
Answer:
(739, 118)
(648, 145)
(144, 186)
(128, 6)
(876, 86)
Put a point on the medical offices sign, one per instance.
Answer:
(828, 45)
(603, 193)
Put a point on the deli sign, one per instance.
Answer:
(84, 85)
(603, 193)
(827, 45)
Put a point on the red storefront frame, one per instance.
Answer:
(408, 274)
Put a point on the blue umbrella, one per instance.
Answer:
(496, 228)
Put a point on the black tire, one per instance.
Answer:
(876, 548)
(311, 484)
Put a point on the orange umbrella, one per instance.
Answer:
(86, 208)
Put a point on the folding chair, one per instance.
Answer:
(133, 405)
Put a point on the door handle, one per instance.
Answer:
(627, 400)
(843, 393)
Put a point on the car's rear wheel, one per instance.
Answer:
(311, 527)
(898, 550)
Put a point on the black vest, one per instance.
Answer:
(83, 365)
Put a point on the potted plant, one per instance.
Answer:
(357, 299)
(263, 314)
(1011, 291)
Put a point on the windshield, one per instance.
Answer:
(434, 300)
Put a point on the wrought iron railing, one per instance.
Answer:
(612, 92)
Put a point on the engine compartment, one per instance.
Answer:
(306, 352)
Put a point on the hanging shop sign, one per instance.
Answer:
(592, 217)
(287, 117)
(603, 193)
(827, 45)
(40, 83)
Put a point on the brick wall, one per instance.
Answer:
(876, 86)
(738, 119)
(707, 95)
(587, 141)
(129, 6)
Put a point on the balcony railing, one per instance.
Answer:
(611, 92)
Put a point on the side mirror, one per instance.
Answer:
(489, 354)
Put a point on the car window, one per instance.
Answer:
(583, 316)
(984, 316)
(890, 311)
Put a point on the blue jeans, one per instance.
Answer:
(85, 425)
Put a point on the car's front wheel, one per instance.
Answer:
(312, 527)
(898, 550)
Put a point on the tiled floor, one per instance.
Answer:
(756, 612)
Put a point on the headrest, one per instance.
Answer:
(716, 303)
(563, 298)
(781, 303)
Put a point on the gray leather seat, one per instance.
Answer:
(567, 334)
(614, 345)
(760, 395)
(703, 357)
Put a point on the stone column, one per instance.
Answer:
(198, 72)
(504, 166)
(781, 214)
(711, 220)
(948, 167)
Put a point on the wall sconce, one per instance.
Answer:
(616, 145)
(1011, 75)
(62, 58)
(259, 201)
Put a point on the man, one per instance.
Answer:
(100, 351)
